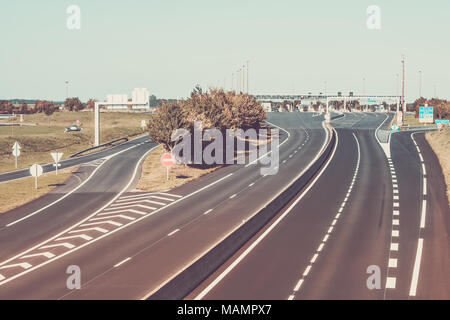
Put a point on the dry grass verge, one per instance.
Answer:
(440, 143)
(154, 179)
(13, 194)
(48, 135)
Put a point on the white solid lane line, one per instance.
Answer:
(424, 214)
(333, 223)
(415, 276)
(273, 225)
(173, 232)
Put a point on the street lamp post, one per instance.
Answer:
(420, 84)
(67, 89)
(247, 75)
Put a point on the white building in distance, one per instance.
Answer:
(139, 101)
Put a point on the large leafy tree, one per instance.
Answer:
(73, 104)
(167, 119)
(215, 109)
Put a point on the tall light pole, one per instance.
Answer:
(325, 88)
(364, 90)
(364, 86)
(239, 80)
(247, 75)
(403, 84)
(397, 83)
(67, 89)
(420, 84)
(232, 81)
(243, 78)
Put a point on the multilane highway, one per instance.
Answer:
(129, 244)
(369, 209)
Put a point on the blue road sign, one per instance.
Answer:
(426, 114)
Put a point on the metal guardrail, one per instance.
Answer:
(100, 146)
(185, 282)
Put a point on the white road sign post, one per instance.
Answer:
(36, 171)
(16, 151)
(57, 157)
(143, 125)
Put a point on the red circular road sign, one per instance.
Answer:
(167, 160)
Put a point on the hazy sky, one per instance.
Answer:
(169, 46)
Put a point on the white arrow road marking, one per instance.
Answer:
(90, 229)
(64, 244)
(161, 198)
(137, 201)
(23, 265)
(48, 255)
(102, 222)
(82, 236)
(135, 195)
(120, 211)
(141, 197)
(170, 195)
(115, 216)
(130, 206)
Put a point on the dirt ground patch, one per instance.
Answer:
(154, 178)
(440, 142)
(13, 194)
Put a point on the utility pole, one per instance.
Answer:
(403, 84)
(420, 84)
(243, 78)
(364, 90)
(247, 75)
(239, 80)
(232, 81)
(67, 89)
(364, 86)
(397, 83)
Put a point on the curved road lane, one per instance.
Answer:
(137, 257)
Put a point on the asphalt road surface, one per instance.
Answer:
(128, 244)
(365, 212)
(69, 163)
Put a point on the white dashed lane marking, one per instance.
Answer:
(118, 214)
(330, 228)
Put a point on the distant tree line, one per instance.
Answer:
(441, 107)
(156, 103)
(44, 106)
